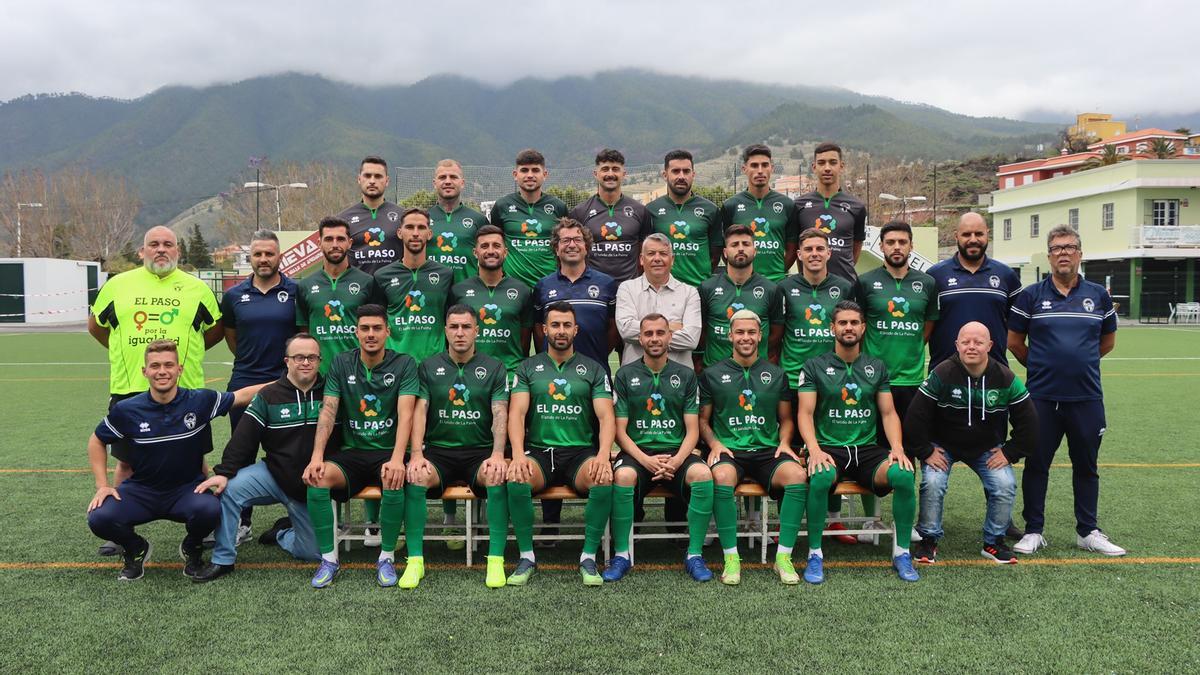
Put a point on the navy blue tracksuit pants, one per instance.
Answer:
(139, 504)
(1083, 423)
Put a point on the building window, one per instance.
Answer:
(1010, 182)
(1122, 149)
(1106, 216)
(1073, 219)
(1033, 226)
(1007, 229)
(1166, 212)
(1027, 179)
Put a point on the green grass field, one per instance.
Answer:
(1063, 610)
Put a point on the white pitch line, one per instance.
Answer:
(87, 363)
(1151, 358)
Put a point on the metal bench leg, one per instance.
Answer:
(763, 529)
(470, 533)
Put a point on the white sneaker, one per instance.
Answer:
(243, 534)
(1098, 542)
(1030, 543)
(371, 537)
(916, 536)
(876, 526)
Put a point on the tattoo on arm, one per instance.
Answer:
(499, 425)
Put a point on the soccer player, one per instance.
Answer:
(738, 287)
(526, 217)
(380, 389)
(839, 396)
(167, 434)
(503, 305)
(282, 419)
(416, 288)
(691, 222)
(658, 291)
(373, 221)
(770, 215)
(328, 300)
(961, 415)
(971, 287)
(560, 424)
(1059, 329)
(618, 222)
(840, 215)
(746, 422)
(590, 292)
(657, 403)
(156, 301)
(459, 432)
(454, 223)
(807, 301)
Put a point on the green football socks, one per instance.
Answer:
(819, 484)
(791, 512)
(320, 510)
(725, 509)
(497, 514)
(391, 519)
(622, 518)
(595, 516)
(415, 515)
(699, 515)
(904, 502)
(520, 510)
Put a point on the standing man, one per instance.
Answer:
(380, 389)
(328, 300)
(591, 293)
(502, 305)
(657, 291)
(1059, 329)
(526, 217)
(459, 432)
(561, 428)
(746, 422)
(416, 289)
(839, 397)
(770, 216)
(373, 221)
(454, 223)
(972, 287)
(807, 301)
(617, 222)
(840, 215)
(739, 287)
(691, 222)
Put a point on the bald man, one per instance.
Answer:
(153, 302)
(961, 414)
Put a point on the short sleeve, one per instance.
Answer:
(692, 405)
(705, 391)
(1109, 324)
(103, 309)
(521, 380)
(716, 229)
(422, 384)
(110, 429)
(932, 307)
(1019, 313)
(208, 300)
(621, 394)
(806, 381)
(775, 308)
(408, 381)
(228, 318)
(885, 380)
(860, 224)
(301, 308)
(792, 228)
(600, 385)
(527, 311)
(333, 379)
(222, 401)
(499, 384)
(493, 215)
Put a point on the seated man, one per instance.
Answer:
(746, 420)
(839, 396)
(282, 418)
(166, 435)
(657, 429)
(959, 416)
(459, 429)
(380, 390)
(560, 423)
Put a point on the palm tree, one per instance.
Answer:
(1108, 157)
(1161, 148)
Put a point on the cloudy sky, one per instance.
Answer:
(980, 58)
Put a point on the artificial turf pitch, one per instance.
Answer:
(1061, 610)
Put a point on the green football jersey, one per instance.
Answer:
(896, 316)
(772, 219)
(808, 319)
(745, 403)
(368, 396)
(502, 312)
(655, 403)
(560, 400)
(453, 243)
(846, 412)
(329, 307)
(460, 400)
(527, 233)
(416, 306)
(720, 298)
(694, 228)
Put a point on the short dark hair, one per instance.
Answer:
(827, 146)
(329, 222)
(755, 149)
(678, 154)
(738, 230)
(458, 309)
(608, 155)
(530, 156)
(567, 224)
(488, 230)
(372, 159)
(812, 233)
(299, 336)
(414, 209)
(848, 306)
(560, 306)
(264, 235)
(895, 226)
(654, 316)
(371, 309)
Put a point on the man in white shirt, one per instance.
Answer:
(657, 291)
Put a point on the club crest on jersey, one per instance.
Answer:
(759, 292)
(389, 379)
(282, 296)
(480, 373)
(698, 212)
(594, 291)
(765, 377)
(581, 370)
(675, 382)
(869, 370)
(628, 211)
(434, 278)
(393, 216)
(777, 207)
(835, 292)
(917, 286)
(992, 397)
(549, 209)
(189, 420)
(1089, 305)
(994, 281)
(468, 223)
(512, 294)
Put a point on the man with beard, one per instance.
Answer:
(691, 222)
(618, 223)
(527, 217)
(840, 215)
(416, 288)
(503, 305)
(454, 223)
(373, 220)
(770, 215)
(736, 288)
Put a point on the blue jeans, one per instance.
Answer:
(999, 487)
(254, 486)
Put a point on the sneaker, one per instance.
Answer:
(591, 575)
(1014, 532)
(999, 552)
(875, 526)
(109, 549)
(495, 571)
(371, 537)
(732, 574)
(1098, 542)
(135, 563)
(695, 566)
(520, 576)
(244, 534)
(785, 569)
(1030, 543)
(814, 571)
(414, 572)
(925, 551)
(847, 539)
(904, 567)
(193, 560)
(271, 536)
(325, 574)
(212, 572)
(617, 568)
(385, 572)
(916, 536)
(456, 544)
